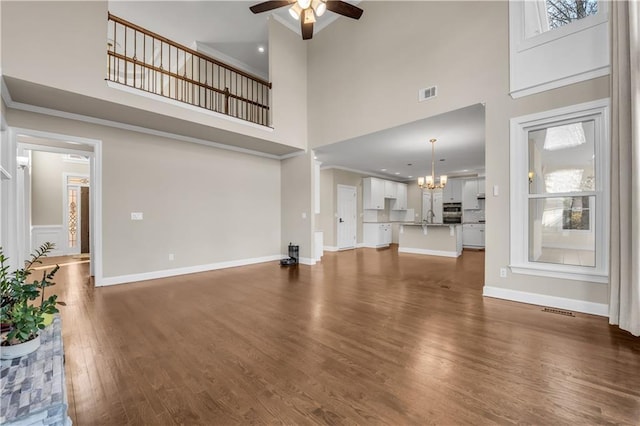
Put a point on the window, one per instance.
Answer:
(563, 12)
(75, 158)
(541, 16)
(559, 217)
(554, 43)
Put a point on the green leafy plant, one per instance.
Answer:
(19, 315)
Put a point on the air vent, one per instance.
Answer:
(559, 312)
(428, 93)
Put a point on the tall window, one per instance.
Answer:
(559, 175)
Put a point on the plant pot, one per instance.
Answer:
(21, 349)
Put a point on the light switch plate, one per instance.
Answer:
(136, 215)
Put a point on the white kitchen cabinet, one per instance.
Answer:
(373, 190)
(470, 195)
(376, 235)
(452, 192)
(400, 203)
(473, 235)
(386, 234)
(389, 189)
(481, 186)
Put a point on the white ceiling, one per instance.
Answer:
(229, 28)
(405, 151)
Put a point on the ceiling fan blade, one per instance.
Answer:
(269, 5)
(307, 29)
(344, 9)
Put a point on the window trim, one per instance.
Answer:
(583, 24)
(519, 192)
(587, 39)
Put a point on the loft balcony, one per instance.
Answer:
(81, 83)
(146, 61)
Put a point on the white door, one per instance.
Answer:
(347, 217)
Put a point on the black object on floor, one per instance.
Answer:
(293, 256)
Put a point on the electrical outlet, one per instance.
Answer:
(171, 256)
(136, 215)
(503, 272)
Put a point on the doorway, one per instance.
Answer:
(347, 217)
(55, 227)
(76, 211)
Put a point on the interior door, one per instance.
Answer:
(84, 219)
(347, 217)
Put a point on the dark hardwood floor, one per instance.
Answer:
(364, 337)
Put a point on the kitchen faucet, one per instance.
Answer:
(430, 216)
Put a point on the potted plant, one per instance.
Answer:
(21, 316)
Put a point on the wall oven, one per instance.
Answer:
(452, 213)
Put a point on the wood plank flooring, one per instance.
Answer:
(364, 337)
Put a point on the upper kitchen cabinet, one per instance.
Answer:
(452, 192)
(400, 202)
(373, 191)
(472, 191)
(390, 189)
(481, 187)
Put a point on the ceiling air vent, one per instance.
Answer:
(428, 93)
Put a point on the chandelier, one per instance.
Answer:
(429, 182)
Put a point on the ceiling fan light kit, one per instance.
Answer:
(306, 11)
(319, 6)
(295, 11)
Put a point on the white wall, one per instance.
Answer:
(366, 77)
(202, 204)
(47, 186)
(68, 40)
(298, 217)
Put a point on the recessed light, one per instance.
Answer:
(397, 173)
(410, 177)
(261, 49)
(383, 170)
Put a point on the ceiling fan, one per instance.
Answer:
(307, 10)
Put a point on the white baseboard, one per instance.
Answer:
(41, 234)
(306, 261)
(330, 248)
(429, 252)
(583, 306)
(121, 279)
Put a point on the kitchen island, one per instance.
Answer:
(434, 239)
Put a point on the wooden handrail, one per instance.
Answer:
(187, 79)
(167, 69)
(186, 49)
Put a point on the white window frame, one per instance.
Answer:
(75, 158)
(519, 191)
(580, 50)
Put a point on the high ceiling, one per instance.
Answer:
(230, 29)
(404, 152)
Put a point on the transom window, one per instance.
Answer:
(545, 15)
(559, 166)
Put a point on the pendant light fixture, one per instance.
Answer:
(429, 182)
